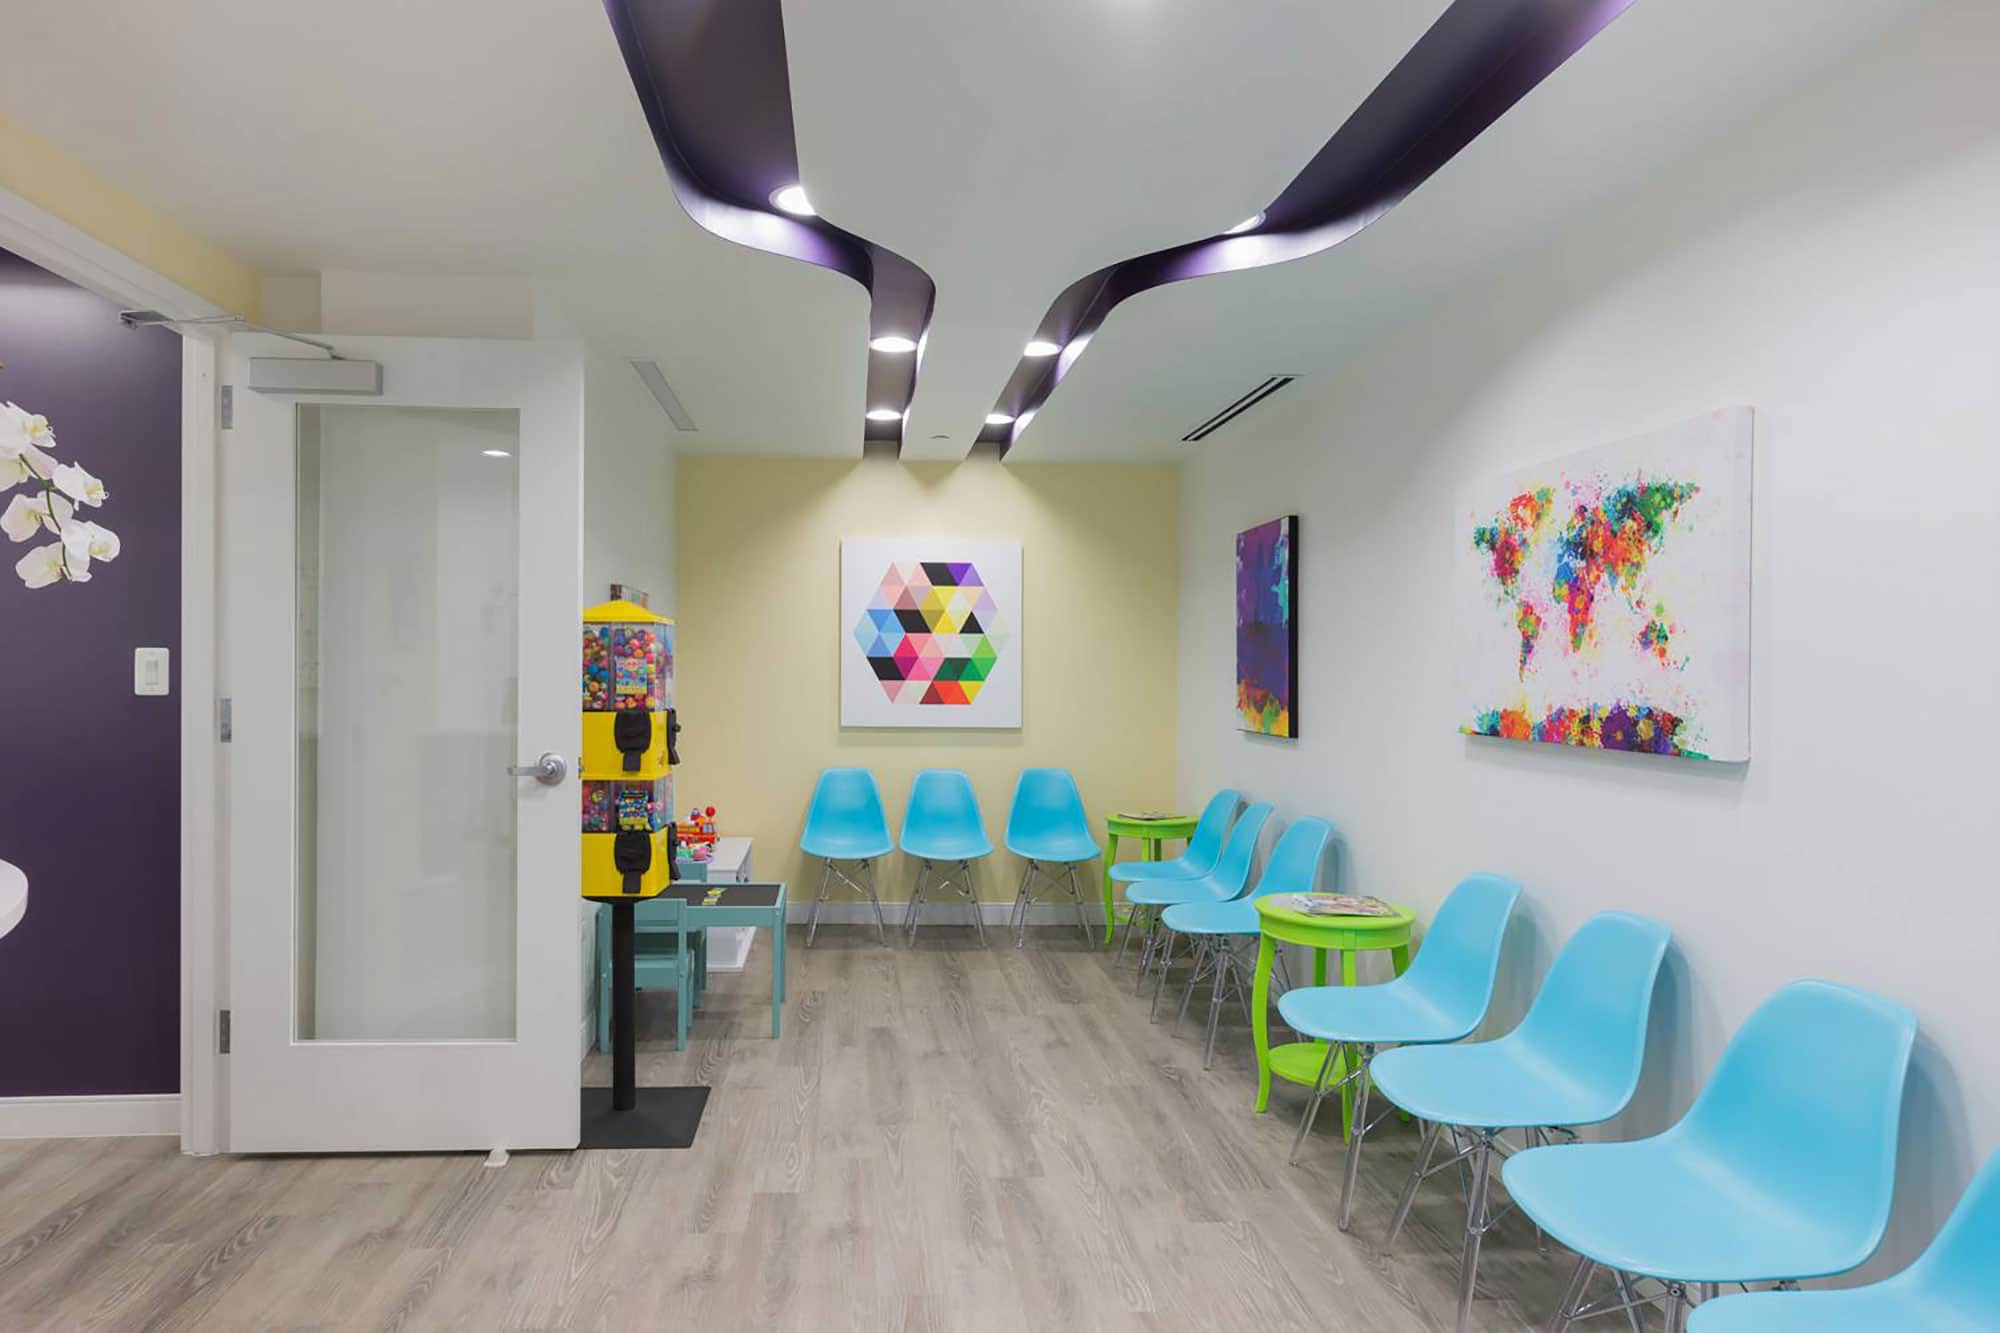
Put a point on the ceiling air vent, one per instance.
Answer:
(1236, 409)
(663, 393)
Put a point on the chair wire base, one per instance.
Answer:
(1025, 897)
(1630, 1296)
(958, 880)
(865, 889)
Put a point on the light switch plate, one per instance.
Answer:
(149, 671)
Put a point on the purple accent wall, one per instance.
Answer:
(90, 773)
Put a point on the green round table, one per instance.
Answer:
(1300, 1061)
(1152, 832)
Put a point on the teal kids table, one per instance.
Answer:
(760, 906)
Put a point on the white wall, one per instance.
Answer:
(1835, 265)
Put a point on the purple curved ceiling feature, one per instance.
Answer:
(712, 80)
(1476, 61)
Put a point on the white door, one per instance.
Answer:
(400, 594)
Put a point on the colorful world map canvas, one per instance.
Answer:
(1603, 600)
(931, 633)
(1267, 628)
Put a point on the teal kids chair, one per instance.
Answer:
(666, 955)
(1574, 1060)
(942, 827)
(1225, 883)
(1950, 1287)
(1441, 998)
(845, 824)
(1196, 860)
(1783, 1169)
(1216, 927)
(1048, 830)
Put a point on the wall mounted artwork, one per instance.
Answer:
(1603, 600)
(1267, 628)
(930, 633)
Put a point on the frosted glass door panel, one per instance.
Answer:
(408, 689)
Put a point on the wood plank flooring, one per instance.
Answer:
(946, 1137)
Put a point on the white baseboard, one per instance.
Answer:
(125, 1115)
(945, 912)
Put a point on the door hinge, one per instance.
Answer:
(225, 724)
(222, 1031)
(225, 407)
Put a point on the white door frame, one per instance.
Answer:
(41, 237)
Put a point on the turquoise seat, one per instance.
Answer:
(845, 823)
(1048, 830)
(1202, 849)
(1215, 927)
(942, 824)
(1949, 1289)
(666, 955)
(1574, 1060)
(1226, 883)
(1442, 997)
(1783, 1169)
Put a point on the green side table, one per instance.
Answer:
(1300, 1061)
(1152, 832)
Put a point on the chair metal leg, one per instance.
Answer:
(812, 922)
(1475, 1224)
(1132, 911)
(916, 907)
(881, 926)
(1311, 1113)
(1160, 981)
(1631, 1299)
(1427, 1145)
(972, 896)
(1222, 963)
(1200, 952)
(1676, 1308)
(1572, 1299)
(1021, 899)
(1082, 922)
(1359, 1059)
(1150, 954)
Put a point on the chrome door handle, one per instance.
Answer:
(549, 770)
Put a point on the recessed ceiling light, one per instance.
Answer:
(792, 199)
(999, 418)
(884, 414)
(1247, 224)
(892, 342)
(1041, 347)
(496, 453)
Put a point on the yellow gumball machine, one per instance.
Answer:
(629, 729)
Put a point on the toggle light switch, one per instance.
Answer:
(149, 671)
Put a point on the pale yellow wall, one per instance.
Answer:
(49, 178)
(760, 634)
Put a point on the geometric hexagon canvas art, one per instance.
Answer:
(931, 633)
(1603, 599)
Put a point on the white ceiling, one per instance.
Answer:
(1009, 147)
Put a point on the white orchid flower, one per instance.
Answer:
(29, 514)
(31, 464)
(21, 429)
(85, 541)
(79, 485)
(41, 566)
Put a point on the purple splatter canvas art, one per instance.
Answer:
(1267, 628)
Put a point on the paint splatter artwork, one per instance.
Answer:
(1267, 628)
(932, 634)
(1603, 600)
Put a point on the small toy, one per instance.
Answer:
(698, 829)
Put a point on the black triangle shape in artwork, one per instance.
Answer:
(971, 625)
(939, 573)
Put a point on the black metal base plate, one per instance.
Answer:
(663, 1118)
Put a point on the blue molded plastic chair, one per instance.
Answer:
(1226, 882)
(1442, 997)
(1783, 1169)
(1047, 827)
(1293, 868)
(1950, 1287)
(665, 954)
(942, 824)
(1574, 1060)
(845, 823)
(1196, 860)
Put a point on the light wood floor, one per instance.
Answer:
(945, 1138)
